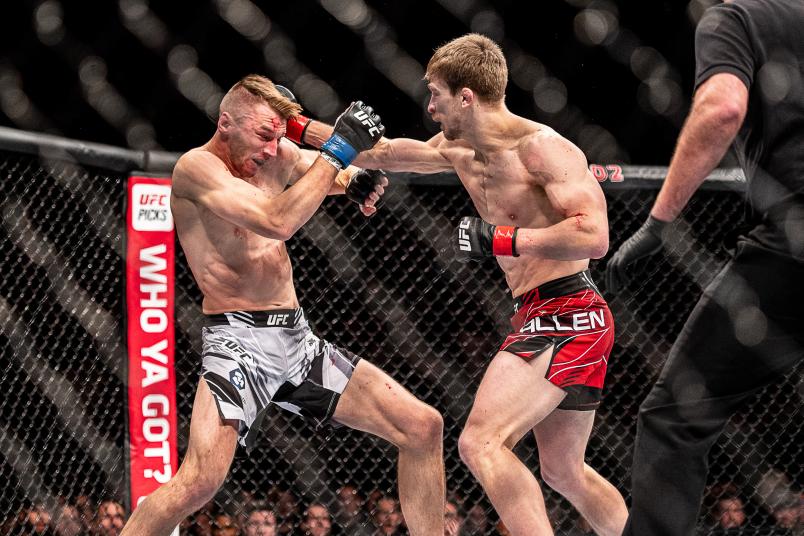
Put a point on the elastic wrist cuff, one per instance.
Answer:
(338, 147)
(332, 160)
(503, 242)
(296, 129)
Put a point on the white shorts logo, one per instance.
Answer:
(237, 379)
(150, 209)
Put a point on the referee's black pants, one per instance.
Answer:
(745, 332)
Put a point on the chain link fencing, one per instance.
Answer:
(388, 289)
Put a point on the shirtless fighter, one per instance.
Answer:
(543, 217)
(233, 211)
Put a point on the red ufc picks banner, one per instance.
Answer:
(149, 303)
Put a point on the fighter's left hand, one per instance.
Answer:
(475, 238)
(365, 188)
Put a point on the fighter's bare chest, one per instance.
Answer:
(502, 189)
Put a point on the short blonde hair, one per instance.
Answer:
(256, 88)
(472, 61)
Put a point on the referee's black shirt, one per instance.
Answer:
(762, 43)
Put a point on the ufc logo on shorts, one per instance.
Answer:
(364, 118)
(276, 320)
(463, 237)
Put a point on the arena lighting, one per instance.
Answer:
(281, 62)
(384, 53)
(387, 287)
(17, 105)
(138, 18)
(597, 24)
(91, 70)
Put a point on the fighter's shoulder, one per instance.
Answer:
(193, 170)
(543, 150)
(540, 140)
(189, 164)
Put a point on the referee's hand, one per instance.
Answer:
(646, 241)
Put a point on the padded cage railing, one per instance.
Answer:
(387, 288)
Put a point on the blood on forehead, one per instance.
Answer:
(280, 126)
(274, 125)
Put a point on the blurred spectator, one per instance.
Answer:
(35, 520)
(68, 521)
(452, 519)
(86, 507)
(110, 518)
(789, 517)
(371, 501)
(200, 523)
(317, 521)
(776, 492)
(457, 499)
(225, 525)
(387, 517)
(259, 520)
(349, 514)
(729, 514)
(39, 520)
(286, 508)
(476, 522)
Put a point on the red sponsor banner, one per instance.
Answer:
(149, 302)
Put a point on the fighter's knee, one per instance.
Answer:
(425, 429)
(473, 447)
(198, 485)
(203, 490)
(564, 478)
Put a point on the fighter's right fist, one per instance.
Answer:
(357, 129)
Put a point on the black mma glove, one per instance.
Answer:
(646, 241)
(296, 125)
(362, 184)
(474, 238)
(357, 129)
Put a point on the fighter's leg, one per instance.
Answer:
(512, 398)
(373, 402)
(209, 454)
(561, 438)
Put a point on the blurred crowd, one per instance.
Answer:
(280, 512)
(68, 518)
(731, 512)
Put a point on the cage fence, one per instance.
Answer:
(387, 288)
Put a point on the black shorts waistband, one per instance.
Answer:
(557, 287)
(272, 318)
